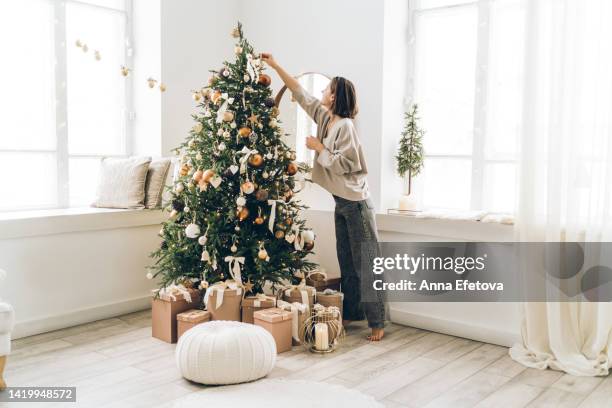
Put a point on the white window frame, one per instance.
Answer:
(61, 95)
(477, 155)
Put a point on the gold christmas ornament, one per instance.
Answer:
(207, 175)
(264, 80)
(279, 234)
(238, 50)
(288, 194)
(151, 82)
(78, 43)
(261, 195)
(292, 169)
(247, 187)
(308, 246)
(197, 176)
(259, 220)
(228, 116)
(162, 87)
(216, 96)
(256, 160)
(125, 71)
(254, 119)
(244, 131)
(236, 32)
(184, 170)
(196, 96)
(274, 112)
(243, 214)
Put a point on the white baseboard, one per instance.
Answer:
(468, 330)
(74, 318)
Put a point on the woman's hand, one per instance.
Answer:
(269, 59)
(313, 143)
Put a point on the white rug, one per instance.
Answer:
(278, 393)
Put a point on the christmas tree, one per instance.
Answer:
(410, 155)
(233, 214)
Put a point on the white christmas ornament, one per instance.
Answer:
(216, 181)
(241, 201)
(179, 188)
(205, 256)
(265, 175)
(192, 231)
(187, 209)
(199, 156)
(149, 276)
(226, 134)
(308, 236)
(221, 146)
(246, 78)
(233, 125)
(202, 240)
(234, 248)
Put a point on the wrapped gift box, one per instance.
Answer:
(318, 279)
(189, 319)
(224, 302)
(252, 304)
(331, 297)
(299, 293)
(278, 323)
(300, 313)
(166, 306)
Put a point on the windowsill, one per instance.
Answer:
(57, 221)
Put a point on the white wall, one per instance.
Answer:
(195, 38)
(340, 37)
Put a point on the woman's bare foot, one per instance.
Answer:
(377, 334)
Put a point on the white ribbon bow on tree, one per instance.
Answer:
(220, 288)
(253, 72)
(234, 263)
(274, 203)
(245, 159)
(221, 111)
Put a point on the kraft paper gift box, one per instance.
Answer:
(300, 313)
(299, 293)
(223, 301)
(252, 304)
(166, 306)
(320, 281)
(189, 319)
(331, 297)
(278, 323)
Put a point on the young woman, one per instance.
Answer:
(340, 168)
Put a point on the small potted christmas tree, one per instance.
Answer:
(410, 156)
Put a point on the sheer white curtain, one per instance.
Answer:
(565, 170)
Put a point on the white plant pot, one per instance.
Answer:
(408, 203)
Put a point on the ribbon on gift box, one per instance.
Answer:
(173, 290)
(220, 288)
(295, 308)
(329, 291)
(260, 297)
(234, 263)
(302, 288)
(320, 310)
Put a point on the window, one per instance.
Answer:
(63, 108)
(467, 77)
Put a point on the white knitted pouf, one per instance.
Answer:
(222, 352)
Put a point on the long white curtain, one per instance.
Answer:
(565, 170)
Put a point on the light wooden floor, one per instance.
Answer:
(116, 363)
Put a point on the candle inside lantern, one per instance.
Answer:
(321, 336)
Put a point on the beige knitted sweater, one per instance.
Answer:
(340, 168)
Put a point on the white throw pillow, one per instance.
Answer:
(122, 182)
(156, 182)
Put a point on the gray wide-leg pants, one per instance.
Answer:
(355, 226)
